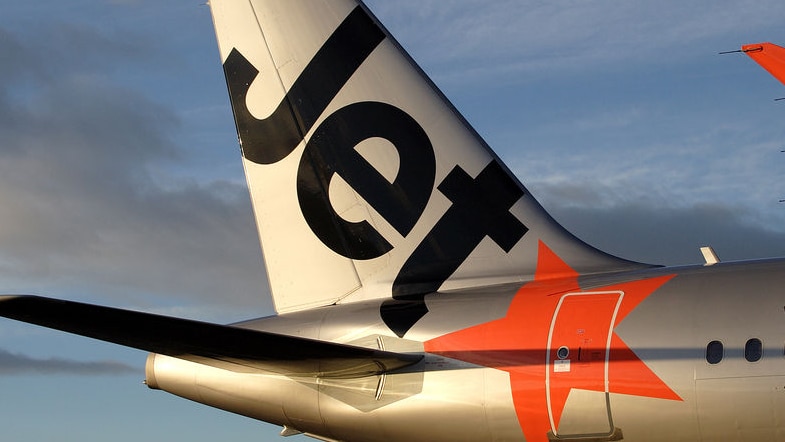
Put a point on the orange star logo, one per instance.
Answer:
(557, 338)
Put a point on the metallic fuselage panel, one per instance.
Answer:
(663, 390)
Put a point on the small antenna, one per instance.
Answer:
(753, 49)
(709, 255)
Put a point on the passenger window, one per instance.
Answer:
(753, 350)
(714, 352)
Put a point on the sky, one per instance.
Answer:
(121, 182)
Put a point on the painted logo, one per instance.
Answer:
(480, 206)
(557, 339)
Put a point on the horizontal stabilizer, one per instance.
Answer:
(221, 346)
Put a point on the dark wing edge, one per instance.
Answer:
(222, 346)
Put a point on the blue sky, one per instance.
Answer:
(121, 182)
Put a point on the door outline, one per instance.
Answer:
(554, 434)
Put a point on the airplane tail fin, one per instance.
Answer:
(366, 183)
(770, 56)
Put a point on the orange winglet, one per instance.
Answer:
(770, 56)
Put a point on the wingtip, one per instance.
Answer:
(753, 47)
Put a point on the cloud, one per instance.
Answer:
(652, 230)
(93, 201)
(19, 364)
(468, 40)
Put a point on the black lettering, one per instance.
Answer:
(480, 208)
(273, 138)
(331, 150)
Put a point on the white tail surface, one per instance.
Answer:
(366, 183)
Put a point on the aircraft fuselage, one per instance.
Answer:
(692, 353)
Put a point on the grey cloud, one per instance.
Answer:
(92, 202)
(14, 59)
(661, 225)
(19, 364)
(663, 234)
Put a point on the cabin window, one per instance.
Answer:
(714, 352)
(753, 350)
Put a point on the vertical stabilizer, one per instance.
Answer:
(366, 183)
